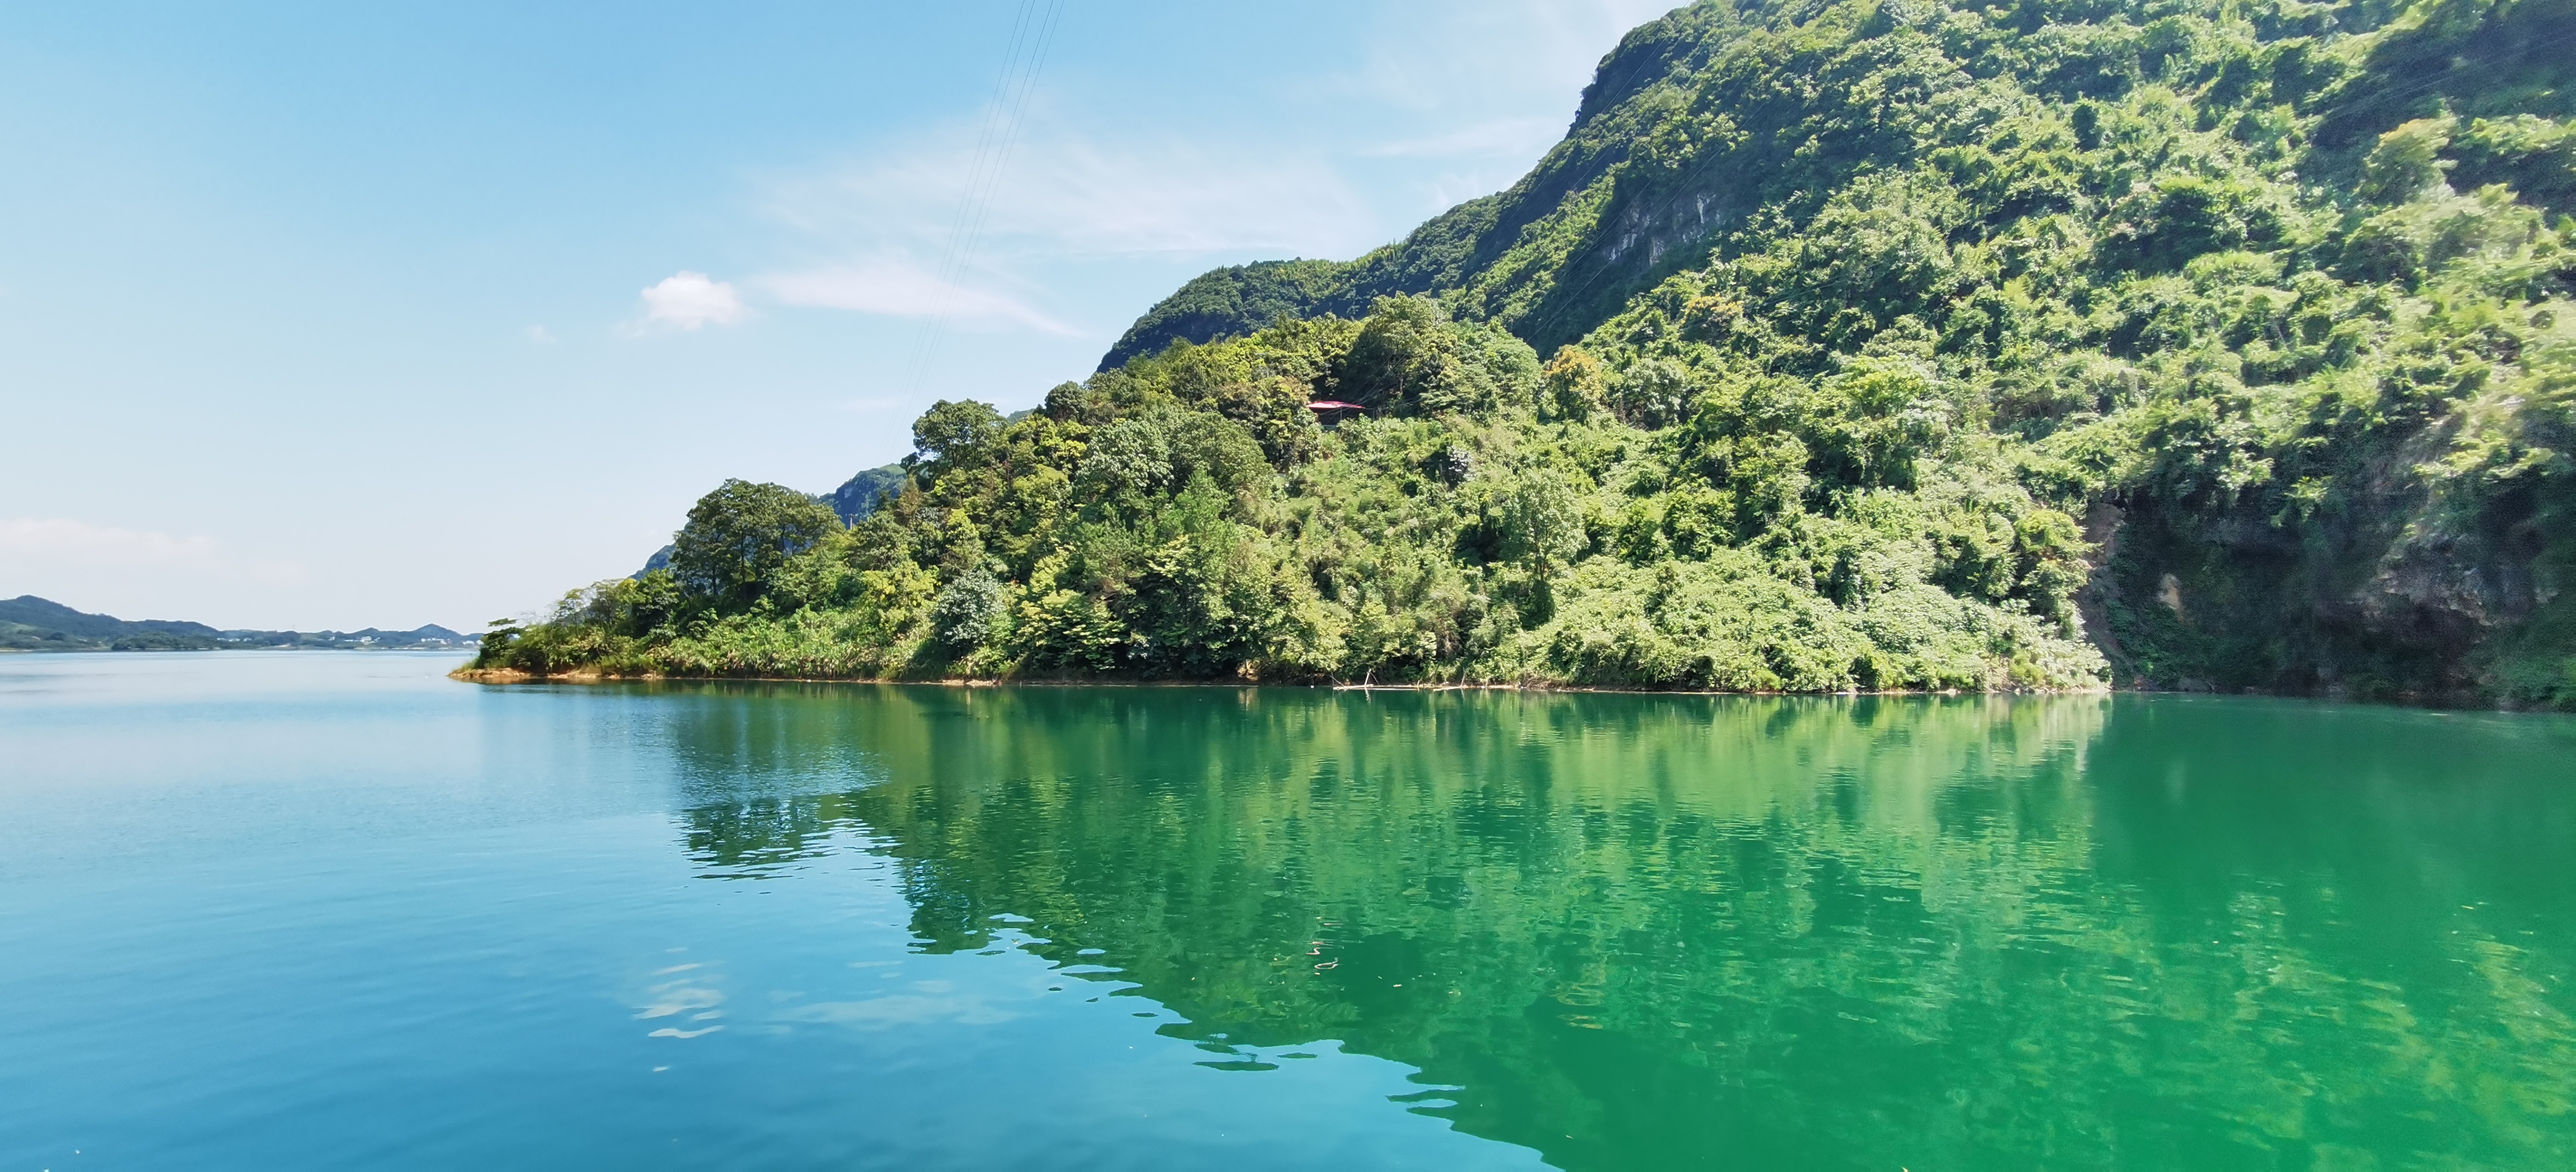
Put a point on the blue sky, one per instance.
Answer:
(335, 315)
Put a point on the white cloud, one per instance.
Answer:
(884, 227)
(61, 540)
(1520, 140)
(895, 288)
(687, 300)
(1066, 192)
(921, 227)
(540, 334)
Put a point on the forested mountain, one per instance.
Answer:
(1877, 345)
(29, 623)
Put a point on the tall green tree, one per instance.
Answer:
(741, 537)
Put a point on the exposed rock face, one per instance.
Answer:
(857, 497)
(2392, 598)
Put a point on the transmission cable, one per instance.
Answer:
(1024, 59)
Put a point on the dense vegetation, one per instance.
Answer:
(1876, 345)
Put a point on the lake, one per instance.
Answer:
(331, 910)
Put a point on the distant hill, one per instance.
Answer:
(29, 623)
(1233, 302)
(858, 498)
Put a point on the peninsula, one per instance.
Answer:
(1857, 345)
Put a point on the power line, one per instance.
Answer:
(1023, 60)
(995, 108)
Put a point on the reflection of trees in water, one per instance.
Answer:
(1812, 932)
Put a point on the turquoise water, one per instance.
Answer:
(325, 910)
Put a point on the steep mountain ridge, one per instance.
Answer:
(1647, 177)
(2374, 605)
(1497, 246)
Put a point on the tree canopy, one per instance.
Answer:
(740, 537)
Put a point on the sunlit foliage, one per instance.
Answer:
(1853, 345)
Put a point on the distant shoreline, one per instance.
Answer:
(465, 650)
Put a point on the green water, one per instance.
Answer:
(326, 911)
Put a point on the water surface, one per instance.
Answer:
(314, 910)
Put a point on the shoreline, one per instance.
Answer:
(501, 677)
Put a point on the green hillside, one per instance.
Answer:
(1856, 345)
(29, 623)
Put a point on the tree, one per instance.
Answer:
(741, 535)
(1654, 393)
(1405, 356)
(964, 615)
(1543, 521)
(497, 640)
(952, 435)
(1575, 385)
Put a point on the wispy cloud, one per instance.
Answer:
(1498, 54)
(1531, 56)
(897, 288)
(1067, 191)
(902, 232)
(687, 301)
(60, 539)
(540, 335)
(1517, 139)
(920, 227)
